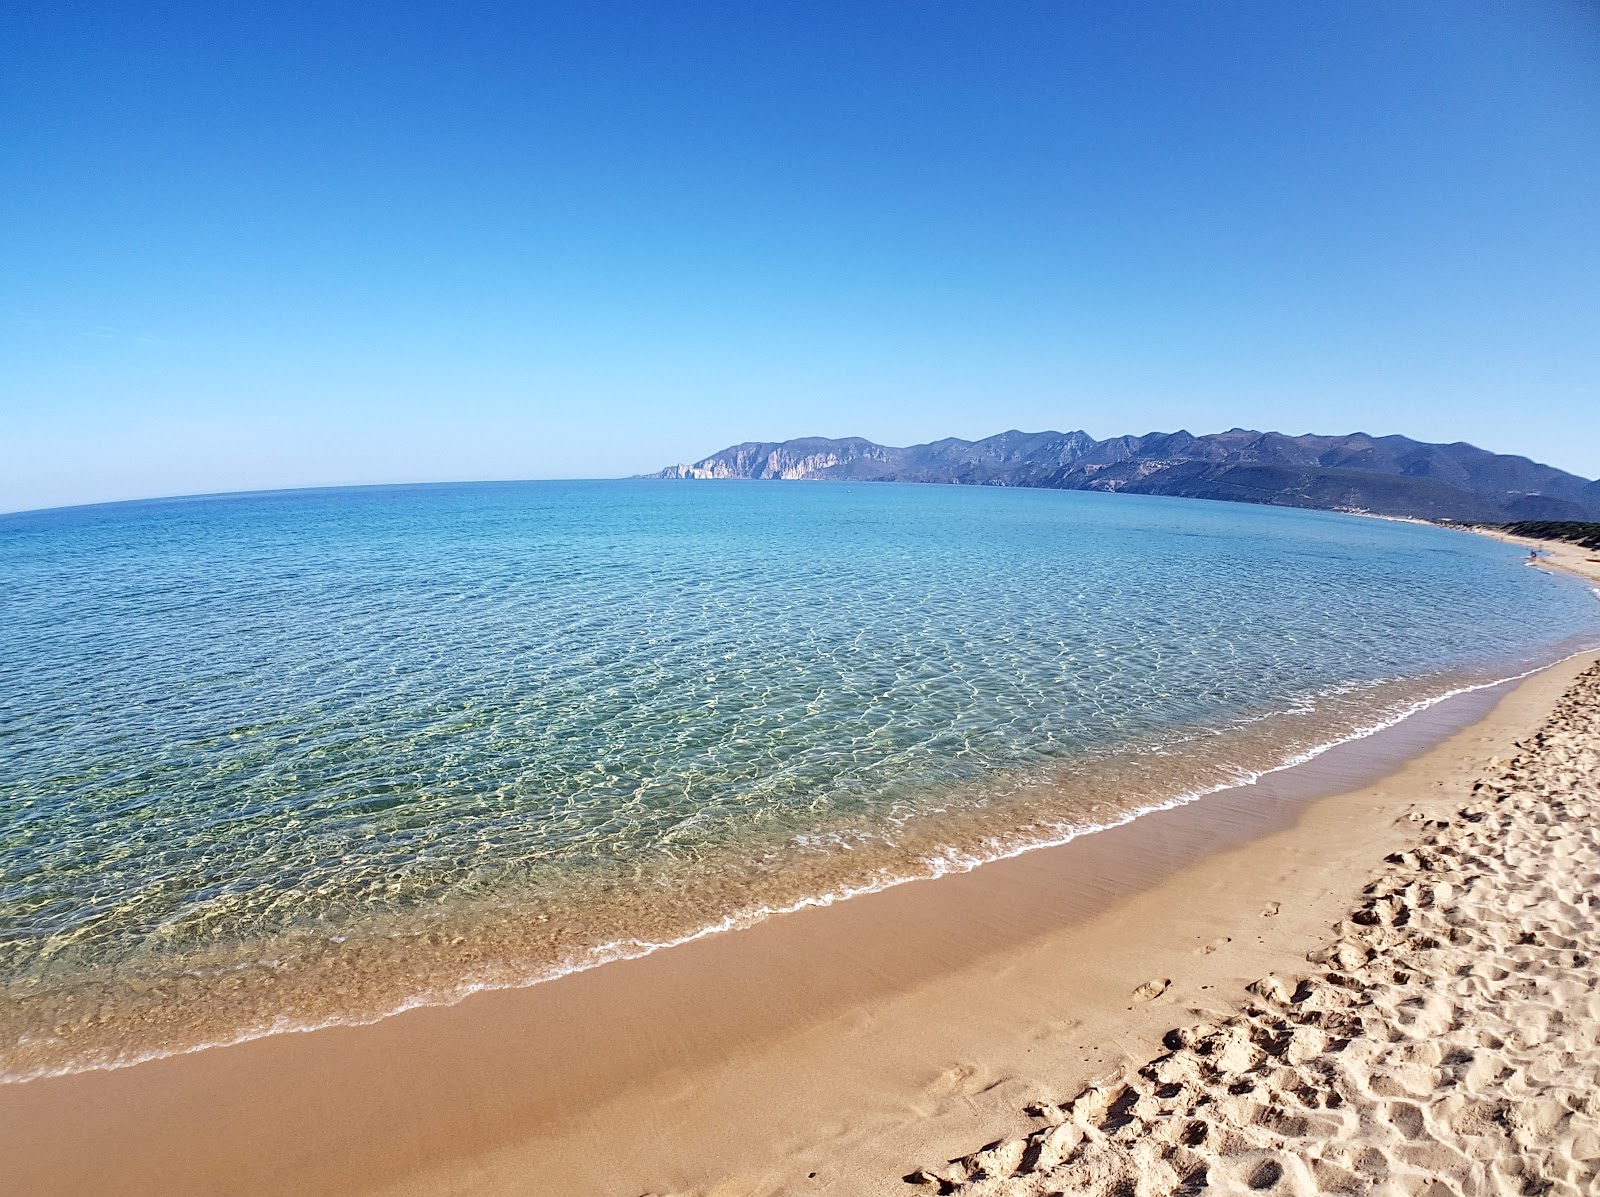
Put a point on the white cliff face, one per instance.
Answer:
(781, 465)
(766, 461)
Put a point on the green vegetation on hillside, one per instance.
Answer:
(1578, 532)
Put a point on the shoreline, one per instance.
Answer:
(946, 862)
(1440, 1038)
(1559, 555)
(453, 1098)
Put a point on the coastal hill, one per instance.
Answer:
(1384, 475)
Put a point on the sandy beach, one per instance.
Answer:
(846, 1049)
(1444, 1038)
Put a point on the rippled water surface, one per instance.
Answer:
(272, 760)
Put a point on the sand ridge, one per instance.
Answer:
(1444, 1042)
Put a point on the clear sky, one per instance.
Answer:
(247, 246)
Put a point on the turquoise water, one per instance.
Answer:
(280, 759)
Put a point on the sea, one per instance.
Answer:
(276, 761)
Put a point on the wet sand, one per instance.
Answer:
(828, 1050)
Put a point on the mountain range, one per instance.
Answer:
(1383, 475)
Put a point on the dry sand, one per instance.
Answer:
(1443, 1040)
(835, 1051)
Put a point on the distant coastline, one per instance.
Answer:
(1361, 474)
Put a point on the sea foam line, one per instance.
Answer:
(946, 864)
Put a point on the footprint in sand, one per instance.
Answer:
(1207, 949)
(963, 1080)
(1056, 1028)
(1272, 909)
(1152, 989)
(958, 1078)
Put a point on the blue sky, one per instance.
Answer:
(247, 246)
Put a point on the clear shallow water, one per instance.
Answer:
(276, 760)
